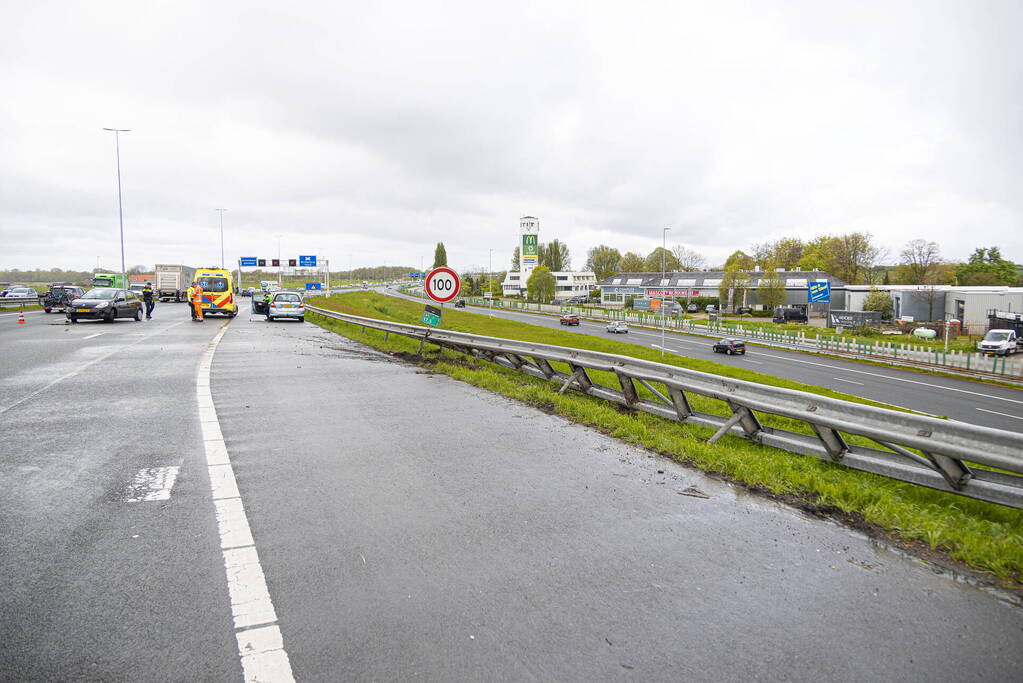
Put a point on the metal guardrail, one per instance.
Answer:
(918, 449)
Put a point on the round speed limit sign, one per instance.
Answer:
(442, 284)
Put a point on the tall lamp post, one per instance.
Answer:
(221, 212)
(120, 212)
(664, 319)
(279, 282)
(490, 280)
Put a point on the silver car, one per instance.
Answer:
(286, 305)
(618, 327)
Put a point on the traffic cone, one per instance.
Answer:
(21, 316)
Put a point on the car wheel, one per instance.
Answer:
(728, 352)
(109, 317)
(301, 319)
(47, 310)
(138, 315)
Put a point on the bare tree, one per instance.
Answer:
(688, 259)
(920, 261)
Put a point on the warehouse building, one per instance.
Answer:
(925, 303)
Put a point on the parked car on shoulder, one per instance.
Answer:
(618, 327)
(106, 304)
(730, 346)
(285, 305)
(59, 296)
(570, 319)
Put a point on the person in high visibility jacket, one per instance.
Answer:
(188, 300)
(197, 301)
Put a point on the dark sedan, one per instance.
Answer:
(106, 304)
(730, 346)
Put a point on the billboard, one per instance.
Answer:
(528, 253)
(818, 291)
(673, 292)
(853, 318)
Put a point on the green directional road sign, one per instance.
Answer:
(431, 316)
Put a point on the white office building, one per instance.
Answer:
(566, 284)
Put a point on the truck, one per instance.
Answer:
(1004, 335)
(110, 280)
(172, 282)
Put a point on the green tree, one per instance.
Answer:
(880, 301)
(515, 260)
(739, 260)
(440, 256)
(660, 259)
(632, 263)
(540, 286)
(555, 256)
(986, 267)
(849, 257)
(771, 290)
(738, 282)
(603, 261)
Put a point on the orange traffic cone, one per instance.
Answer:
(21, 316)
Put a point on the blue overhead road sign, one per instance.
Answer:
(306, 261)
(818, 291)
(248, 261)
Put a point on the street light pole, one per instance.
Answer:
(120, 212)
(221, 212)
(664, 320)
(279, 281)
(490, 280)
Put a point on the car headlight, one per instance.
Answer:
(102, 304)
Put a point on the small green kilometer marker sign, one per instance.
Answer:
(431, 316)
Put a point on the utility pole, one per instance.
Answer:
(120, 212)
(664, 320)
(223, 262)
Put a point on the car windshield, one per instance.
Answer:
(100, 293)
(213, 284)
(996, 336)
(286, 297)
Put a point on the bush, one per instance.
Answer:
(865, 330)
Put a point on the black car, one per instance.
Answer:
(106, 304)
(730, 346)
(460, 303)
(789, 315)
(743, 310)
(59, 296)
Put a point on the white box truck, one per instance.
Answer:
(172, 282)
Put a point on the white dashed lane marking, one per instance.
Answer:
(840, 379)
(985, 410)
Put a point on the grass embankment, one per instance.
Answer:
(987, 537)
(16, 308)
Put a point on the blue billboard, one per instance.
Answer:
(818, 291)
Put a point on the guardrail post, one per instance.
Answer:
(628, 388)
(747, 420)
(833, 442)
(545, 367)
(955, 472)
(682, 406)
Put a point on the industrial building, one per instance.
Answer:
(924, 303)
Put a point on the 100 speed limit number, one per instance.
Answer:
(442, 284)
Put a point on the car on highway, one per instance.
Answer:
(59, 296)
(618, 327)
(570, 319)
(460, 303)
(106, 304)
(730, 346)
(285, 305)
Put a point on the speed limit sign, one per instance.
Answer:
(442, 284)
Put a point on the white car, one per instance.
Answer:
(286, 305)
(618, 327)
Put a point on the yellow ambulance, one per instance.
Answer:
(218, 295)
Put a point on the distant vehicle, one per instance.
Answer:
(789, 315)
(570, 319)
(577, 300)
(218, 291)
(172, 282)
(1000, 343)
(460, 303)
(21, 292)
(107, 280)
(618, 327)
(730, 346)
(743, 310)
(286, 305)
(692, 308)
(711, 308)
(106, 304)
(137, 287)
(59, 296)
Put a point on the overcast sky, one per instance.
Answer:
(367, 132)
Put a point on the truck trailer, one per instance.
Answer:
(172, 282)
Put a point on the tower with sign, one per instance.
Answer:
(529, 249)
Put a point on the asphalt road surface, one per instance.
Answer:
(965, 400)
(409, 526)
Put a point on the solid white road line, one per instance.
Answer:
(1015, 417)
(84, 367)
(260, 643)
(839, 379)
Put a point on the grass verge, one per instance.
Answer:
(937, 526)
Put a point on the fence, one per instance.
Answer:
(940, 454)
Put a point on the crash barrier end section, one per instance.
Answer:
(918, 449)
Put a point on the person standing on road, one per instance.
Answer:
(188, 300)
(147, 298)
(197, 302)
